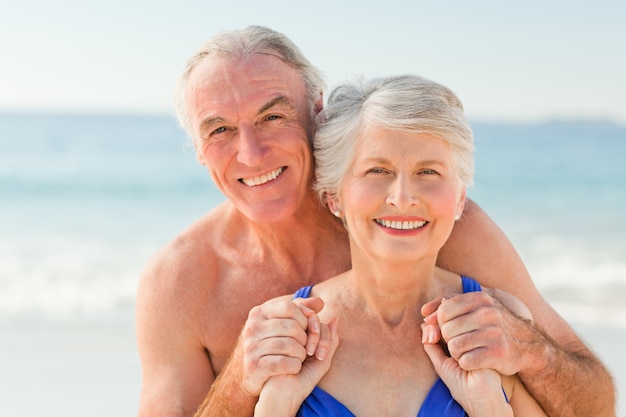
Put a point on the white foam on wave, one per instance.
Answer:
(583, 277)
(69, 275)
(592, 314)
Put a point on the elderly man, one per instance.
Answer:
(248, 99)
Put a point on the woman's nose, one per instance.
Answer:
(402, 193)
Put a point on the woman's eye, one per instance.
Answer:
(429, 172)
(376, 170)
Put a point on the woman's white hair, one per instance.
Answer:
(407, 103)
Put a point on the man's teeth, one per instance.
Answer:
(405, 225)
(251, 182)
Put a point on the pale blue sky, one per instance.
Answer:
(531, 60)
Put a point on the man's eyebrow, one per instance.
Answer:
(207, 123)
(280, 100)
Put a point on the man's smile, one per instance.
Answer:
(262, 179)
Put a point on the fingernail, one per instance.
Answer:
(427, 334)
(321, 354)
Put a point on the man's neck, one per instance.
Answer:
(312, 241)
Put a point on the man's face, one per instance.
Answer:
(252, 125)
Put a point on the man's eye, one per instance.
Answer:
(219, 130)
(273, 117)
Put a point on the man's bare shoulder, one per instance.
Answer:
(185, 286)
(189, 257)
(178, 331)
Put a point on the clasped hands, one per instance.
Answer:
(481, 343)
(287, 349)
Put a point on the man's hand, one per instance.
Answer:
(277, 338)
(481, 331)
(478, 391)
(282, 395)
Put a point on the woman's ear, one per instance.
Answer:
(460, 205)
(333, 205)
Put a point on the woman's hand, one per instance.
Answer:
(282, 395)
(478, 391)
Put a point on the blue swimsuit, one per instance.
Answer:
(438, 402)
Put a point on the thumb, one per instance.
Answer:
(315, 368)
(430, 307)
(329, 341)
(436, 353)
(334, 338)
(437, 356)
(312, 304)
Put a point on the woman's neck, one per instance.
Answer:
(393, 292)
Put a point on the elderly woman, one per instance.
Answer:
(394, 158)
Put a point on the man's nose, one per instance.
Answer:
(251, 147)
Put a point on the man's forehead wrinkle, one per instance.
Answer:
(277, 101)
(230, 90)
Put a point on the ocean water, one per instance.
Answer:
(85, 200)
(558, 190)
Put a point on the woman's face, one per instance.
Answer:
(400, 195)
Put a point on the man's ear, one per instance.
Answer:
(200, 158)
(199, 155)
(319, 103)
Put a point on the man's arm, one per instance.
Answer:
(565, 369)
(282, 395)
(226, 398)
(557, 368)
(277, 338)
(176, 370)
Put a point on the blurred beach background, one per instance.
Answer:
(95, 174)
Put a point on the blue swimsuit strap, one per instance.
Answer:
(303, 292)
(469, 285)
